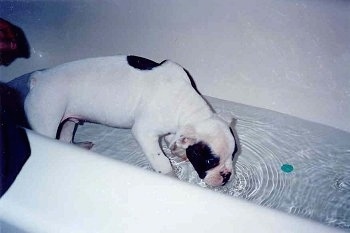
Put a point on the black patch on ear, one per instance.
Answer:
(236, 145)
(202, 158)
(141, 63)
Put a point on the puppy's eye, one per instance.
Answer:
(212, 162)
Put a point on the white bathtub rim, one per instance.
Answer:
(168, 194)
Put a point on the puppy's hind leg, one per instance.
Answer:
(66, 132)
(44, 108)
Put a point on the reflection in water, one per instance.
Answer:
(318, 187)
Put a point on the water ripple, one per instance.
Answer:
(317, 188)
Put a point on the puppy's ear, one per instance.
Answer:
(234, 134)
(184, 138)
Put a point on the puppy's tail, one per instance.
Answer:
(32, 80)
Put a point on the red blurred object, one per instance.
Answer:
(13, 43)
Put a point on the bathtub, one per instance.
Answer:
(288, 57)
(62, 188)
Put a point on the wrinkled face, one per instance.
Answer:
(210, 146)
(213, 163)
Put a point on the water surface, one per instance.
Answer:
(318, 187)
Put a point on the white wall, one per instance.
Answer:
(291, 56)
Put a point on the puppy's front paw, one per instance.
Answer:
(162, 165)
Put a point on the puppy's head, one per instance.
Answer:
(210, 146)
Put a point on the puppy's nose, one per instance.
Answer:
(226, 177)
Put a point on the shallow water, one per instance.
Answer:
(317, 188)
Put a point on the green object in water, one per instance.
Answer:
(287, 168)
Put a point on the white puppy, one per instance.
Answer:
(153, 99)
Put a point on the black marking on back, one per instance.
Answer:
(141, 63)
(193, 84)
(202, 158)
